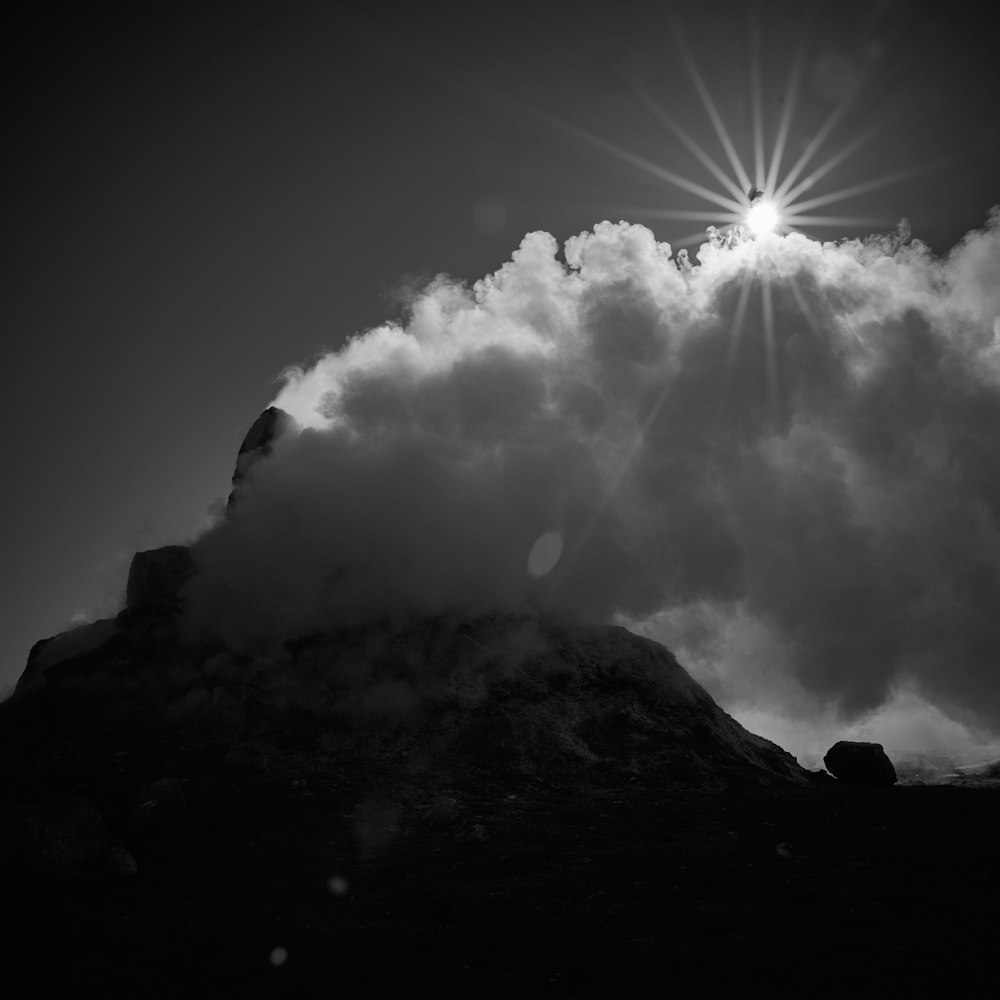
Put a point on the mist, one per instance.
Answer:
(779, 459)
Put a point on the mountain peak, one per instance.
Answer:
(257, 444)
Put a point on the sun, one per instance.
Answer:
(733, 185)
(762, 218)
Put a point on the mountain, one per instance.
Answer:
(503, 805)
(498, 691)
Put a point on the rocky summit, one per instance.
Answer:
(504, 805)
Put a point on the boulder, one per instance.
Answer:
(157, 576)
(860, 764)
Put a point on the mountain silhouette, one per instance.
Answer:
(501, 804)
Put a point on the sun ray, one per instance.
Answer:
(710, 108)
(720, 175)
(758, 101)
(791, 96)
(621, 211)
(833, 161)
(816, 142)
(770, 351)
(698, 236)
(863, 188)
(805, 308)
(626, 456)
(793, 221)
(736, 333)
(686, 215)
(641, 162)
(728, 209)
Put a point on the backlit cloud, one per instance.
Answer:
(781, 459)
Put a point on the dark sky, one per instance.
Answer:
(197, 198)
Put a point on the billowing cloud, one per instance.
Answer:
(782, 460)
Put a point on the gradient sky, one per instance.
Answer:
(198, 199)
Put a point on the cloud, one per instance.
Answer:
(781, 461)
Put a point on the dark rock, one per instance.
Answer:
(860, 764)
(518, 697)
(162, 806)
(116, 650)
(259, 441)
(821, 777)
(156, 577)
(47, 653)
(52, 837)
(510, 695)
(130, 671)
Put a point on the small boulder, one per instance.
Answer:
(860, 764)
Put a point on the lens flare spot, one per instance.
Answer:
(762, 218)
(545, 554)
(279, 956)
(337, 885)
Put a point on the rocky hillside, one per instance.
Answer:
(510, 693)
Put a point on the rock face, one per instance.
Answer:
(439, 702)
(860, 764)
(259, 441)
(74, 644)
(445, 702)
(156, 578)
(118, 649)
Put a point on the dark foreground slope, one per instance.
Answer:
(507, 807)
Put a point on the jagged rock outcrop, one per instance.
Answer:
(156, 578)
(857, 763)
(115, 650)
(257, 443)
(72, 644)
(136, 638)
